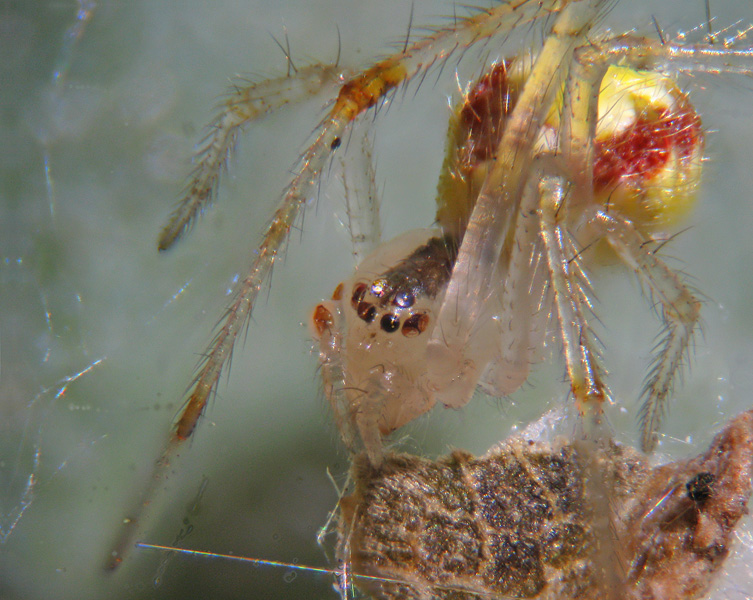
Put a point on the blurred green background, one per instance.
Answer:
(99, 115)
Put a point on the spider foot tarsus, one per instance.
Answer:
(680, 314)
(244, 104)
(668, 362)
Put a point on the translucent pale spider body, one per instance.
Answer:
(378, 336)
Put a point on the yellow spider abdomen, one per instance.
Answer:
(648, 146)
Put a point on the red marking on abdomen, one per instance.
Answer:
(641, 151)
(484, 112)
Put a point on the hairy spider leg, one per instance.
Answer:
(244, 105)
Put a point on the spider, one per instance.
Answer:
(479, 312)
(491, 277)
(646, 155)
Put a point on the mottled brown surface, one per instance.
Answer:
(536, 520)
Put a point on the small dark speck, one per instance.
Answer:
(335, 143)
(700, 487)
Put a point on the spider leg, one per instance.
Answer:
(243, 105)
(460, 347)
(680, 314)
(577, 131)
(328, 320)
(569, 286)
(661, 56)
(362, 198)
(520, 328)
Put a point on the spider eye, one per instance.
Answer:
(379, 287)
(404, 299)
(390, 322)
(415, 324)
(359, 291)
(322, 319)
(366, 311)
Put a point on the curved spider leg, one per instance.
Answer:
(680, 314)
(243, 105)
(355, 97)
(459, 349)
